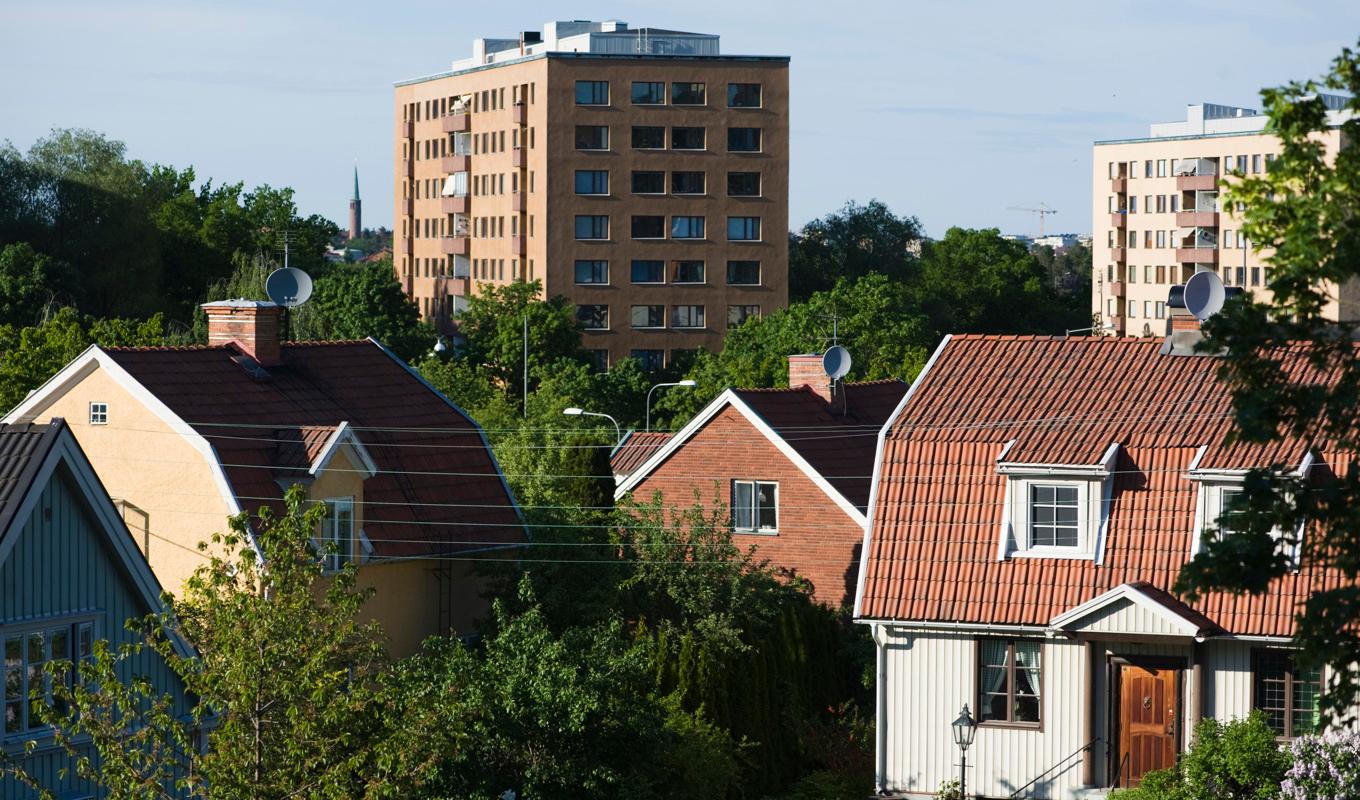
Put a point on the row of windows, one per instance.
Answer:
(460, 184)
(643, 271)
(1167, 203)
(1163, 168)
(1199, 237)
(485, 100)
(595, 227)
(739, 184)
(28, 687)
(682, 93)
(476, 227)
(595, 317)
(1161, 275)
(469, 144)
(653, 137)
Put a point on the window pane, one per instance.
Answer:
(593, 181)
(646, 137)
(648, 272)
(743, 184)
(743, 140)
(1271, 673)
(592, 93)
(743, 95)
(743, 513)
(649, 183)
(592, 271)
(766, 500)
(649, 227)
(689, 272)
(743, 273)
(649, 93)
(687, 138)
(687, 94)
(687, 182)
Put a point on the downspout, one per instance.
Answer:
(880, 711)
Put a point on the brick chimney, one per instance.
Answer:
(254, 325)
(806, 370)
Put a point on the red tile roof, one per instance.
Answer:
(932, 554)
(438, 487)
(636, 447)
(837, 438)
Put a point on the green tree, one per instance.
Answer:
(493, 326)
(850, 243)
(1301, 212)
(29, 281)
(355, 301)
(1236, 760)
(1069, 269)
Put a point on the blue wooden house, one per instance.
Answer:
(70, 574)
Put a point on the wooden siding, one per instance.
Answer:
(63, 565)
(1126, 617)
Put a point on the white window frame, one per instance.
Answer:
(74, 625)
(99, 413)
(1209, 504)
(1094, 484)
(755, 527)
(330, 533)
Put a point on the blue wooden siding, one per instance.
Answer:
(63, 565)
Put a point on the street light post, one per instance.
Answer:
(964, 729)
(647, 425)
(578, 412)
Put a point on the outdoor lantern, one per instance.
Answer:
(964, 728)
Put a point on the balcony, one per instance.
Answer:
(1117, 288)
(455, 163)
(1119, 220)
(1196, 183)
(455, 123)
(405, 204)
(517, 157)
(457, 204)
(517, 245)
(1197, 219)
(517, 202)
(1197, 255)
(408, 129)
(1117, 254)
(1119, 185)
(453, 245)
(1115, 321)
(519, 113)
(408, 167)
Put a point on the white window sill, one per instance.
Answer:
(1054, 552)
(757, 532)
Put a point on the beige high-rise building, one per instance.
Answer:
(1157, 218)
(637, 172)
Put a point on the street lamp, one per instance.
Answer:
(577, 412)
(648, 424)
(964, 729)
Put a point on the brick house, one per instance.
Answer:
(792, 466)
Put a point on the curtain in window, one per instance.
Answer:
(992, 698)
(743, 506)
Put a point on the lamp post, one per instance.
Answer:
(578, 412)
(647, 425)
(964, 728)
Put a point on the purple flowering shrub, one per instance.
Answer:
(1325, 767)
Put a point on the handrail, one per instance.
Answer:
(1114, 782)
(1061, 762)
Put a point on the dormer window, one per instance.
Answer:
(1221, 505)
(1054, 515)
(1055, 510)
(337, 532)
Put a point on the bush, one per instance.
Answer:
(1325, 767)
(1236, 760)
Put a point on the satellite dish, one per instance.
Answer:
(289, 287)
(1204, 295)
(836, 362)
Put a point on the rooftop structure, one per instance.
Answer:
(612, 37)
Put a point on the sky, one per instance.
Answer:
(952, 112)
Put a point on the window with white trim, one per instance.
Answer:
(337, 532)
(1054, 515)
(1221, 508)
(1055, 510)
(99, 413)
(755, 506)
(27, 654)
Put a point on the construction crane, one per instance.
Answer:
(1043, 210)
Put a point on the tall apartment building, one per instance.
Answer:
(1157, 218)
(637, 172)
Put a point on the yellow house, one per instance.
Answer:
(184, 437)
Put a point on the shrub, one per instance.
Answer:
(1236, 760)
(1325, 767)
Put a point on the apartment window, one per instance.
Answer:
(649, 137)
(743, 184)
(743, 140)
(649, 183)
(593, 317)
(1161, 272)
(687, 316)
(687, 227)
(649, 93)
(1147, 169)
(592, 93)
(1242, 164)
(1147, 309)
(1228, 239)
(1161, 310)
(592, 272)
(743, 229)
(743, 273)
(649, 316)
(743, 95)
(337, 532)
(736, 315)
(592, 226)
(688, 272)
(651, 360)
(27, 654)
(1133, 239)
(755, 506)
(592, 181)
(687, 138)
(599, 360)
(1285, 692)
(687, 182)
(1161, 238)
(1133, 204)
(1256, 164)
(99, 413)
(1161, 167)
(1255, 276)
(1174, 205)
(648, 271)
(1161, 204)
(687, 94)
(1009, 681)
(592, 137)
(648, 227)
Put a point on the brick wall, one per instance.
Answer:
(817, 540)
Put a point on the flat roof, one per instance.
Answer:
(606, 56)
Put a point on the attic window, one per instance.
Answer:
(99, 413)
(1055, 510)
(1053, 515)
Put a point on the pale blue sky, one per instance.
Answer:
(951, 111)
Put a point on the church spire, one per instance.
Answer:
(356, 182)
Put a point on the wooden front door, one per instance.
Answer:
(1149, 702)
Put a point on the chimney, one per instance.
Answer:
(253, 325)
(806, 370)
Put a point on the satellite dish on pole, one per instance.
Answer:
(1204, 295)
(836, 362)
(289, 287)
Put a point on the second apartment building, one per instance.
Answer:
(637, 172)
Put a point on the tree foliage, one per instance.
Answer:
(1301, 212)
(852, 242)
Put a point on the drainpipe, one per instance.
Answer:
(881, 710)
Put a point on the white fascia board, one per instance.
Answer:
(1052, 470)
(660, 454)
(878, 473)
(1133, 595)
(907, 625)
(344, 437)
